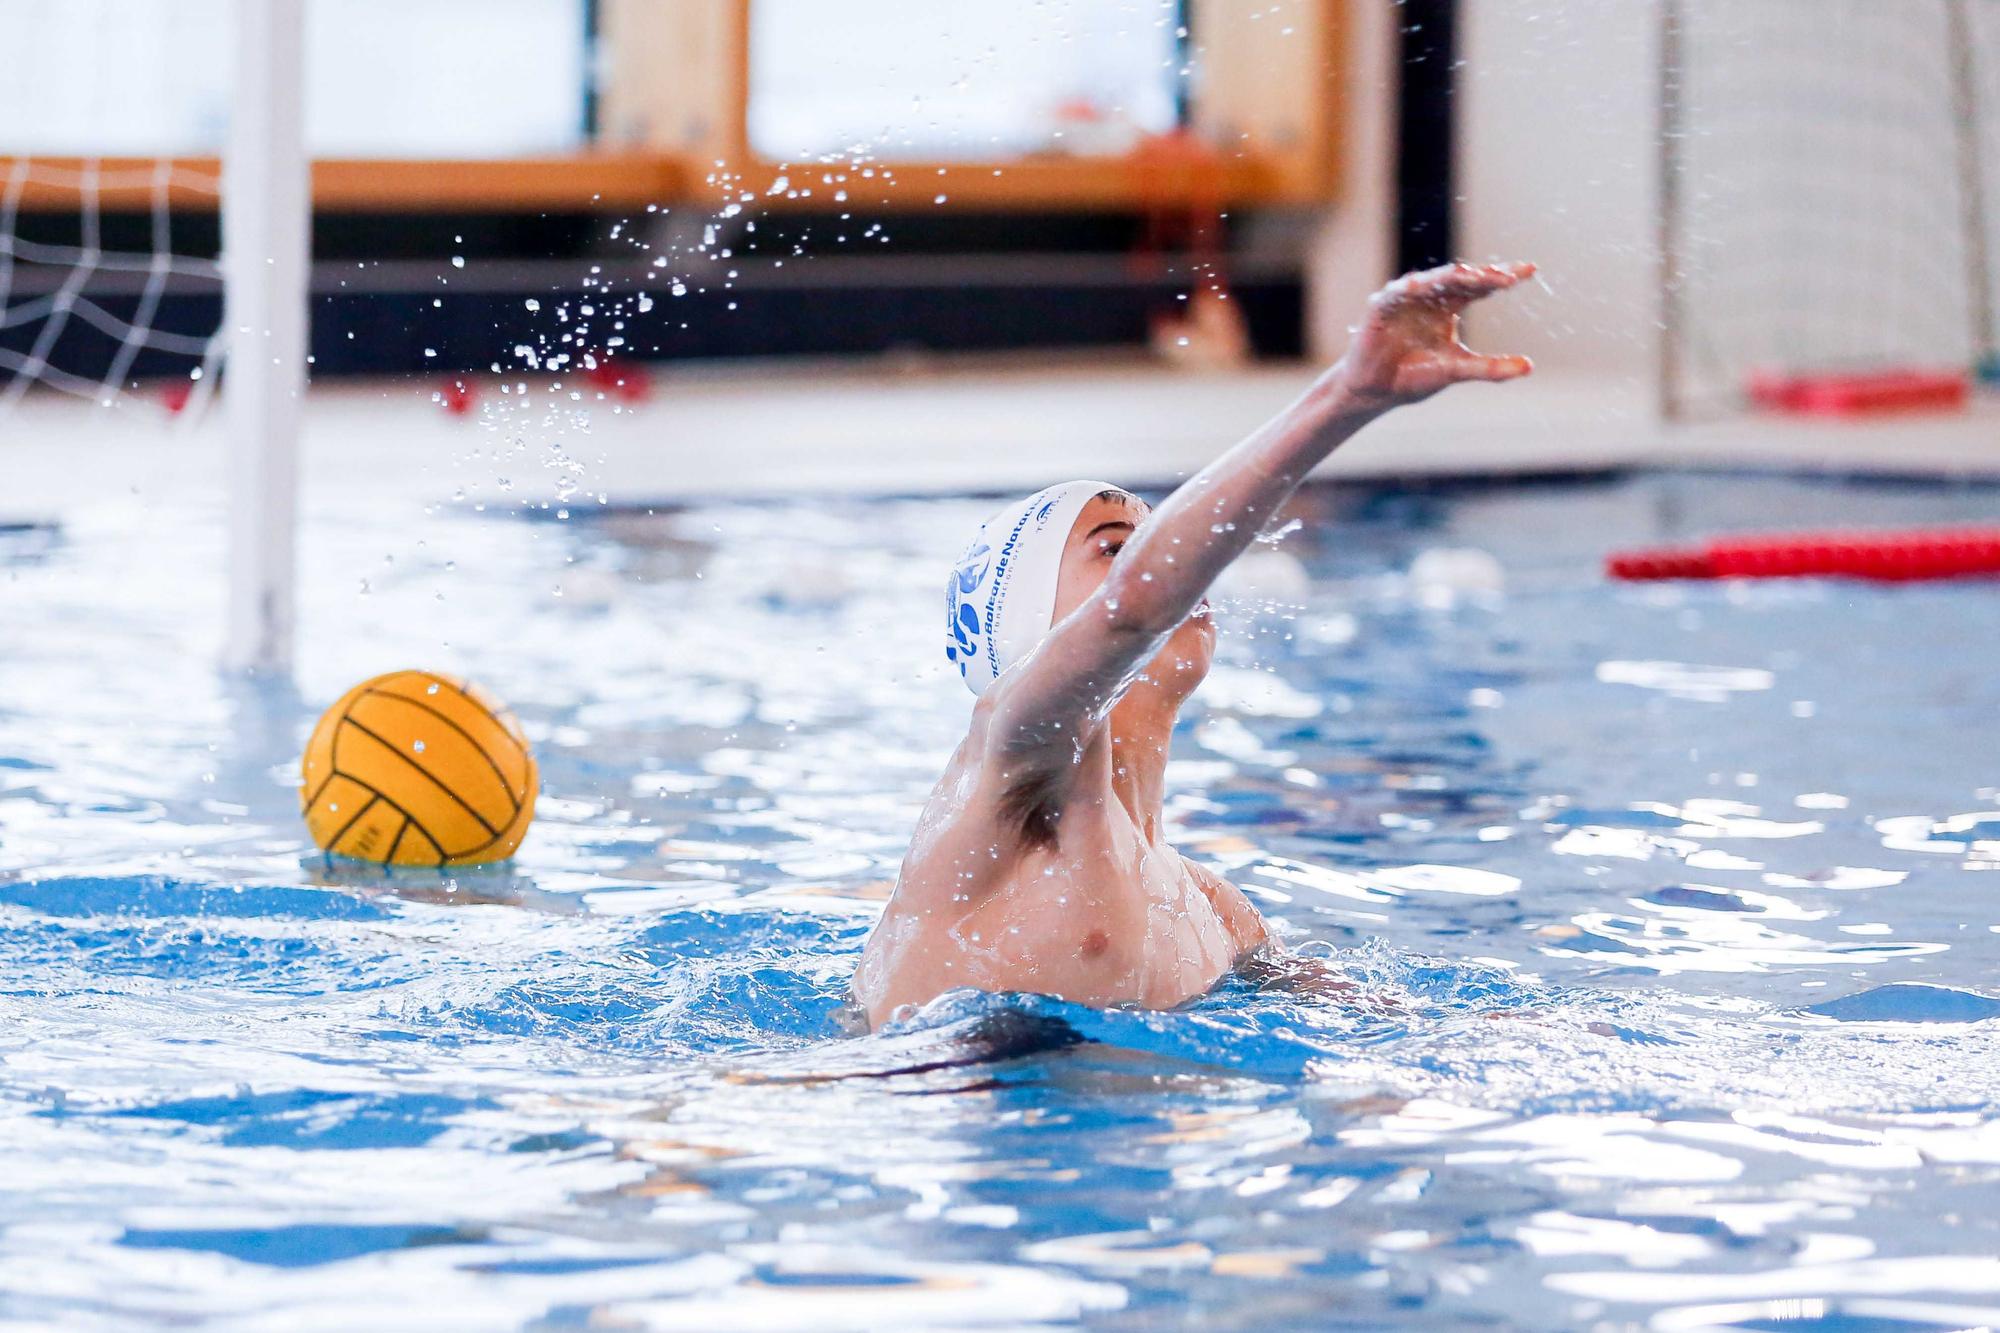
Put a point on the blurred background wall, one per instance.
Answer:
(1208, 182)
(1557, 118)
(797, 178)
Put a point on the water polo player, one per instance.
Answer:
(1077, 617)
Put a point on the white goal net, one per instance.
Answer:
(154, 207)
(1828, 171)
(95, 296)
(111, 117)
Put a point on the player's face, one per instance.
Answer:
(1097, 537)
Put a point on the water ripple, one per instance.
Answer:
(1642, 969)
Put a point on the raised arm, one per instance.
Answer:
(1406, 349)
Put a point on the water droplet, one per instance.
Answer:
(418, 746)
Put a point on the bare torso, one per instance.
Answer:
(1039, 863)
(1108, 914)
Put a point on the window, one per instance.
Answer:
(385, 78)
(962, 80)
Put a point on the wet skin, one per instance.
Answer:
(1102, 911)
(1039, 862)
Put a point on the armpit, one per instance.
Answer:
(1029, 805)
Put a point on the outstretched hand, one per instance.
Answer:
(1408, 348)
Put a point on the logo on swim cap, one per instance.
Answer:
(964, 615)
(973, 568)
(1000, 598)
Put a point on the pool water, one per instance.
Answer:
(1676, 910)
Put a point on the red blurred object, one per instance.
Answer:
(1862, 393)
(1183, 184)
(623, 380)
(174, 395)
(1183, 187)
(458, 397)
(1889, 557)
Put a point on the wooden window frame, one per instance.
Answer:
(612, 176)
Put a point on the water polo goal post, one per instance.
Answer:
(266, 259)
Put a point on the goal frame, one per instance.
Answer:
(266, 264)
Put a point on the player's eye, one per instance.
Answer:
(1113, 545)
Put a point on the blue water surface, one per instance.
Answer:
(1674, 912)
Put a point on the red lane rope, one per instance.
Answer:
(1902, 389)
(1889, 557)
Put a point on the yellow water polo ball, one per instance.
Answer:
(414, 768)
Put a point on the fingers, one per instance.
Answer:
(1492, 369)
(1456, 284)
(1423, 377)
(1476, 280)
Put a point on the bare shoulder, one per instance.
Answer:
(1241, 919)
(1211, 883)
(960, 845)
(992, 807)
(1026, 782)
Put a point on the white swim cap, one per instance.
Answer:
(1001, 597)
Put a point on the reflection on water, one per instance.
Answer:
(1668, 907)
